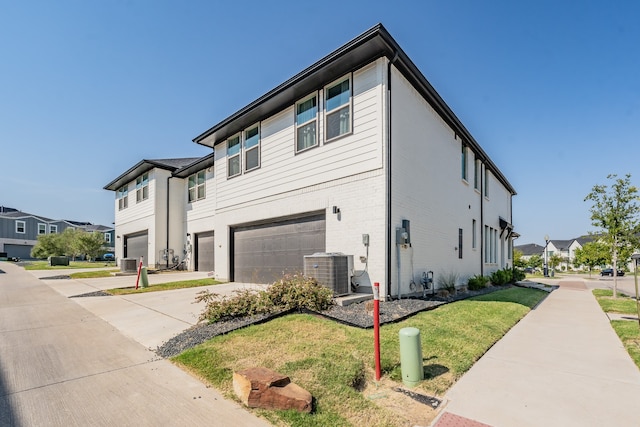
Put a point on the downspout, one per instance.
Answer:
(388, 181)
(168, 205)
(482, 192)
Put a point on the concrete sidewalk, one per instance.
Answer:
(562, 365)
(60, 365)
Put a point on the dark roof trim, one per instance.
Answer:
(200, 164)
(365, 48)
(146, 165)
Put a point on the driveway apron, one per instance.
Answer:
(61, 365)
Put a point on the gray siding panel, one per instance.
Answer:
(137, 245)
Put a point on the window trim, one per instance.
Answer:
(299, 125)
(233, 156)
(474, 237)
(107, 237)
(21, 225)
(43, 226)
(142, 184)
(255, 147)
(460, 242)
(53, 229)
(122, 195)
(335, 110)
(476, 174)
(464, 165)
(197, 186)
(486, 182)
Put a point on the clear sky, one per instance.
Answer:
(550, 89)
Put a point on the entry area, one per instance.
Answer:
(137, 245)
(262, 252)
(204, 247)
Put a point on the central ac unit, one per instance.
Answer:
(332, 270)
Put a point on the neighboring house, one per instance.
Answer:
(149, 211)
(19, 231)
(356, 154)
(529, 250)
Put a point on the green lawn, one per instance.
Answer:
(44, 265)
(93, 274)
(164, 286)
(623, 304)
(334, 361)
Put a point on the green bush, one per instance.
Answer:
(447, 281)
(477, 282)
(501, 277)
(518, 275)
(292, 292)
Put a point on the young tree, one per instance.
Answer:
(48, 245)
(592, 254)
(615, 212)
(518, 261)
(535, 261)
(89, 244)
(554, 261)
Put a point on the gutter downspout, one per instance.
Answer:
(482, 191)
(168, 205)
(388, 181)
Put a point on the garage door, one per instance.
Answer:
(20, 251)
(137, 245)
(261, 253)
(204, 251)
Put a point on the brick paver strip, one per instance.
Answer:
(451, 420)
(577, 285)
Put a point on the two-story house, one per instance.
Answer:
(357, 154)
(19, 231)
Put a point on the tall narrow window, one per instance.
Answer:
(20, 227)
(476, 174)
(474, 241)
(233, 156)
(338, 109)
(42, 229)
(142, 188)
(123, 197)
(486, 182)
(460, 243)
(251, 148)
(196, 186)
(463, 157)
(107, 237)
(486, 244)
(306, 123)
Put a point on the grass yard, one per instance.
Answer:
(627, 330)
(93, 274)
(335, 362)
(164, 286)
(44, 265)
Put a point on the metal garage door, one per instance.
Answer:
(204, 245)
(20, 251)
(261, 253)
(137, 245)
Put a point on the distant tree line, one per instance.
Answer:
(72, 243)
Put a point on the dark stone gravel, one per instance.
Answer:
(92, 294)
(353, 315)
(61, 277)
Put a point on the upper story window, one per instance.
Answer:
(53, 229)
(142, 188)
(486, 182)
(477, 167)
(252, 148)
(107, 237)
(42, 229)
(122, 194)
(464, 162)
(197, 186)
(21, 227)
(233, 156)
(307, 123)
(338, 109)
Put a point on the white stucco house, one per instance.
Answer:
(355, 155)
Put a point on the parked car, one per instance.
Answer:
(109, 257)
(609, 272)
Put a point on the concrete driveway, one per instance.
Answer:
(62, 365)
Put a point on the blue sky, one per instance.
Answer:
(550, 89)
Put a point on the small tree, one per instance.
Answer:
(89, 244)
(535, 261)
(48, 245)
(592, 254)
(615, 213)
(518, 261)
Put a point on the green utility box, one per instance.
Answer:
(411, 356)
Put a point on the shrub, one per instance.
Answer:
(477, 282)
(501, 277)
(447, 281)
(518, 275)
(292, 292)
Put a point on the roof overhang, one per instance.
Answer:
(203, 163)
(138, 169)
(365, 48)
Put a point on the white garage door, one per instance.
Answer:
(136, 246)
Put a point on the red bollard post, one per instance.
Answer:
(139, 270)
(376, 327)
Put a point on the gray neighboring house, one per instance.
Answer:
(19, 231)
(529, 250)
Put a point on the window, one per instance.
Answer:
(123, 196)
(107, 237)
(464, 162)
(252, 148)
(460, 243)
(233, 156)
(20, 227)
(486, 182)
(196, 186)
(142, 188)
(476, 174)
(42, 229)
(306, 123)
(474, 241)
(338, 109)
(53, 229)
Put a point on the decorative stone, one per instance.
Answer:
(267, 389)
